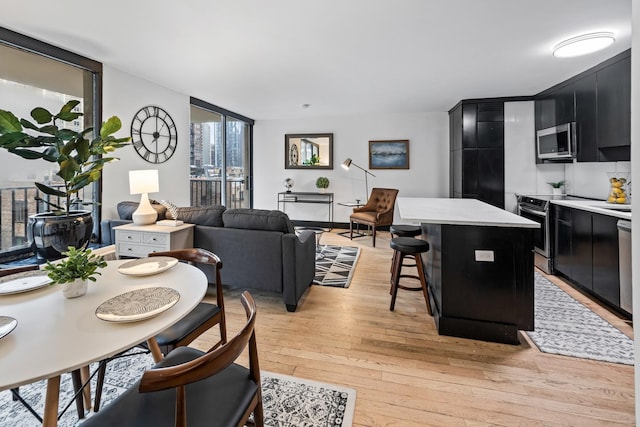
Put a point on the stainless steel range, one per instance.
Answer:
(536, 208)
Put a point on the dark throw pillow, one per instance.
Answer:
(200, 215)
(126, 209)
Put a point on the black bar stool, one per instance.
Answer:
(403, 231)
(404, 247)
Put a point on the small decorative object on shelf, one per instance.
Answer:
(322, 183)
(79, 266)
(618, 191)
(288, 184)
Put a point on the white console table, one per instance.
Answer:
(138, 241)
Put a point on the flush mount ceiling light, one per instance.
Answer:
(582, 45)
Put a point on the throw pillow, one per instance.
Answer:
(126, 209)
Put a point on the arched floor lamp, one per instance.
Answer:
(348, 162)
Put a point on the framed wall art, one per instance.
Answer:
(391, 154)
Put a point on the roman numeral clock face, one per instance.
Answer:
(154, 134)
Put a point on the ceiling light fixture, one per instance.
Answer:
(583, 45)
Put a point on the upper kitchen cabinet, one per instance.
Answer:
(599, 101)
(614, 110)
(555, 106)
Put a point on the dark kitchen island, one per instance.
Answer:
(479, 266)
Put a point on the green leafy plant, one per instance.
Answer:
(78, 264)
(322, 182)
(80, 160)
(558, 184)
(314, 160)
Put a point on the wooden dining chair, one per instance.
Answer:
(190, 387)
(190, 327)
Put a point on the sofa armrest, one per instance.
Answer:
(298, 264)
(107, 233)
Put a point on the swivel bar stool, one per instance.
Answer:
(403, 231)
(404, 247)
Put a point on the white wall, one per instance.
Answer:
(428, 135)
(123, 95)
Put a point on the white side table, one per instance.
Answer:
(139, 240)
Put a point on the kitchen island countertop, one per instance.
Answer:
(417, 210)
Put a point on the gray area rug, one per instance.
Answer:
(288, 401)
(336, 266)
(565, 326)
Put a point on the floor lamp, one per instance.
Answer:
(348, 162)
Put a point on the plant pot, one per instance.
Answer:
(74, 289)
(49, 234)
(558, 191)
(322, 190)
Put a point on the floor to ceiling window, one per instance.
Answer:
(36, 74)
(220, 157)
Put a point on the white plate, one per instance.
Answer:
(23, 284)
(7, 324)
(137, 305)
(147, 266)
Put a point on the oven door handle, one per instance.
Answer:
(532, 212)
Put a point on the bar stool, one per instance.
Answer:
(404, 247)
(402, 231)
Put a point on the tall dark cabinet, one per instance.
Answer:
(477, 151)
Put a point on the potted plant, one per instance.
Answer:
(74, 271)
(322, 183)
(557, 187)
(80, 162)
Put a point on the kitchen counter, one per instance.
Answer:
(597, 206)
(479, 266)
(417, 210)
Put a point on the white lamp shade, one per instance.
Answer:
(144, 181)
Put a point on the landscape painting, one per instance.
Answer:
(392, 154)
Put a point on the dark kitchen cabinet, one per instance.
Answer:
(614, 101)
(477, 151)
(562, 240)
(585, 246)
(586, 117)
(556, 107)
(599, 101)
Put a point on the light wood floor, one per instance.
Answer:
(405, 374)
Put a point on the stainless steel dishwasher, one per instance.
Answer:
(624, 257)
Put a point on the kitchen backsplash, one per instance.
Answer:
(583, 179)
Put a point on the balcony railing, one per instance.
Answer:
(18, 203)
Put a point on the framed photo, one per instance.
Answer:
(308, 151)
(393, 154)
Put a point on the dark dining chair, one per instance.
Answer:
(190, 327)
(377, 212)
(190, 387)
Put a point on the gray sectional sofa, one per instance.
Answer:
(259, 248)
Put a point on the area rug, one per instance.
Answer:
(288, 401)
(336, 265)
(565, 326)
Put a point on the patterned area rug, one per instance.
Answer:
(336, 265)
(288, 401)
(565, 326)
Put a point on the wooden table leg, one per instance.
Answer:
(50, 418)
(86, 392)
(155, 349)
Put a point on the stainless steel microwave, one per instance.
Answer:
(558, 142)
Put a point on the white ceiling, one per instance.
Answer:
(264, 59)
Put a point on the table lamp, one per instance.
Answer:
(144, 182)
(348, 162)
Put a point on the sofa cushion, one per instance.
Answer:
(126, 209)
(258, 219)
(200, 215)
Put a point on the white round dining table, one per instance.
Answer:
(56, 335)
